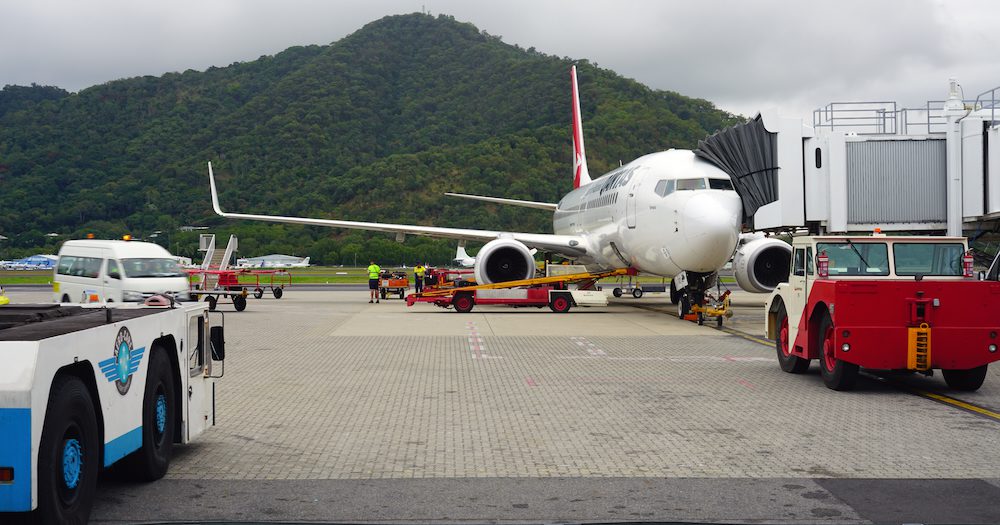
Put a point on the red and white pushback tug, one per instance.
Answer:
(890, 303)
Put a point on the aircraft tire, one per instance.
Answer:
(683, 306)
(674, 295)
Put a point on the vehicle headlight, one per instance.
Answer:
(128, 295)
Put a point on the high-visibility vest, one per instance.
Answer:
(373, 271)
(419, 270)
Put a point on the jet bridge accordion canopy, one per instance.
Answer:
(749, 154)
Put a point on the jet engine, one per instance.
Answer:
(502, 260)
(761, 263)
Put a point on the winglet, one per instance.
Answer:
(581, 177)
(215, 195)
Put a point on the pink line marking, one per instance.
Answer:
(746, 383)
(530, 381)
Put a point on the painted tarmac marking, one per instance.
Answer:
(590, 347)
(675, 359)
(476, 343)
(933, 396)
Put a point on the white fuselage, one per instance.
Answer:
(658, 214)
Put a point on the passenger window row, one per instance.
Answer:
(79, 266)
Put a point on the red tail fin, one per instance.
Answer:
(581, 176)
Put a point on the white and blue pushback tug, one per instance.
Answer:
(83, 388)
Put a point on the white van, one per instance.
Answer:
(90, 271)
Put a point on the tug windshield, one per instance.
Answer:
(944, 259)
(856, 259)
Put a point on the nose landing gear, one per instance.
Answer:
(689, 291)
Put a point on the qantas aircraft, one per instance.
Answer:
(668, 214)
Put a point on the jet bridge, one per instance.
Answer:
(865, 165)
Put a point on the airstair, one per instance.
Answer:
(215, 261)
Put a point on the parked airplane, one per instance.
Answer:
(462, 258)
(669, 214)
(279, 261)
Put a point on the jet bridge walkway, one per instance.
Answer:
(864, 165)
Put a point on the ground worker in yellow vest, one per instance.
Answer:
(418, 272)
(373, 273)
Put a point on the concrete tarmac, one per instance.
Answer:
(334, 410)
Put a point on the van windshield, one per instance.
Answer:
(151, 268)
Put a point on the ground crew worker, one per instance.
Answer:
(418, 272)
(373, 274)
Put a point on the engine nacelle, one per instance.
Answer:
(761, 264)
(503, 260)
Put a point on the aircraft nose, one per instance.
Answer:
(711, 228)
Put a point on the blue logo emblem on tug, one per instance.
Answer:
(119, 369)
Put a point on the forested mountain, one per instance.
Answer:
(372, 127)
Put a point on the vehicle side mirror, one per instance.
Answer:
(218, 341)
(114, 274)
(982, 275)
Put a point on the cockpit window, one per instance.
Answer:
(720, 184)
(664, 187)
(690, 184)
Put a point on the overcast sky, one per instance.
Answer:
(741, 55)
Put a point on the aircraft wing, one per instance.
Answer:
(551, 206)
(568, 245)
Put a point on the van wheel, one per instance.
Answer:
(965, 380)
(151, 461)
(792, 364)
(68, 454)
(837, 373)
